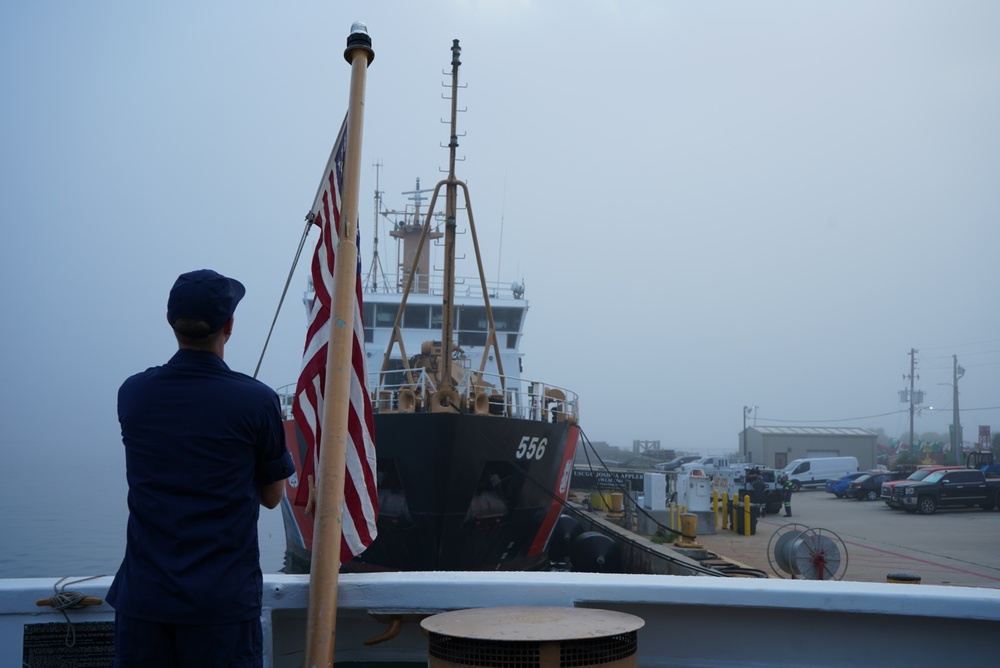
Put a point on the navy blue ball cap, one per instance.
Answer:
(204, 295)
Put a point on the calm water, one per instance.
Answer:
(64, 514)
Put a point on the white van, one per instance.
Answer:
(816, 471)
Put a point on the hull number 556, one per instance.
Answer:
(531, 447)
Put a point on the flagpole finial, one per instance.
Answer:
(359, 39)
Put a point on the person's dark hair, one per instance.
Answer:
(192, 333)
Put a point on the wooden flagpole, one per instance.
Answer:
(328, 522)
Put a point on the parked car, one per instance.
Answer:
(838, 486)
(676, 462)
(867, 487)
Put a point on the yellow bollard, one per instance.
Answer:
(615, 505)
(746, 515)
(733, 509)
(600, 501)
(725, 510)
(715, 507)
(689, 527)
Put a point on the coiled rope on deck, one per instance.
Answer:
(63, 600)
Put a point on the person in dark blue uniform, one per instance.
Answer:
(759, 496)
(786, 488)
(204, 449)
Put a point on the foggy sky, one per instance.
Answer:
(711, 205)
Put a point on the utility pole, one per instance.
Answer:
(913, 363)
(746, 412)
(956, 427)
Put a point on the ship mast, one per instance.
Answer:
(451, 207)
(439, 364)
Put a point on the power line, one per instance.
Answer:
(959, 345)
(869, 417)
(863, 417)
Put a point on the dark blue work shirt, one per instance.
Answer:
(199, 440)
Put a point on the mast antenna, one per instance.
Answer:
(375, 269)
(503, 207)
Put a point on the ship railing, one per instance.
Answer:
(479, 393)
(465, 286)
(286, 397)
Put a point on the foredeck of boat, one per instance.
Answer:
(689, 621)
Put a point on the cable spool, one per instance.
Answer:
(807, 554)
(783, 549)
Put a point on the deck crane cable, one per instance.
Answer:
(566, 506)
(730, 571)
(620, 487)
(626, 492)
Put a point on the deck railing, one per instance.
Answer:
(478, 393)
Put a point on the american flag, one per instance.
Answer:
(360, 493)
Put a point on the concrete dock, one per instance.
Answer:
(951, 547)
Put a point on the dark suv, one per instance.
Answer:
(869, 486)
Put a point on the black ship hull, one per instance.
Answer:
(456, 492)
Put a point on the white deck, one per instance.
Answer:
(690, 621)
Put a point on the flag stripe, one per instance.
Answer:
(360, 493)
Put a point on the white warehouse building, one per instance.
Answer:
(776, 446)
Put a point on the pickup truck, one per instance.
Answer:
(705, 466)
(892, 489)
(949, 488)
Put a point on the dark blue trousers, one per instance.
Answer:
(141, 644)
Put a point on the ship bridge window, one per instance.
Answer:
(472, 325)
(507, 319)
(385, 315)
(512, 341)
(368, 316)
(472, 339)
(472, 319)
(437, 319)
(417, 316)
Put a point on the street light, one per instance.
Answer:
(956, 427)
